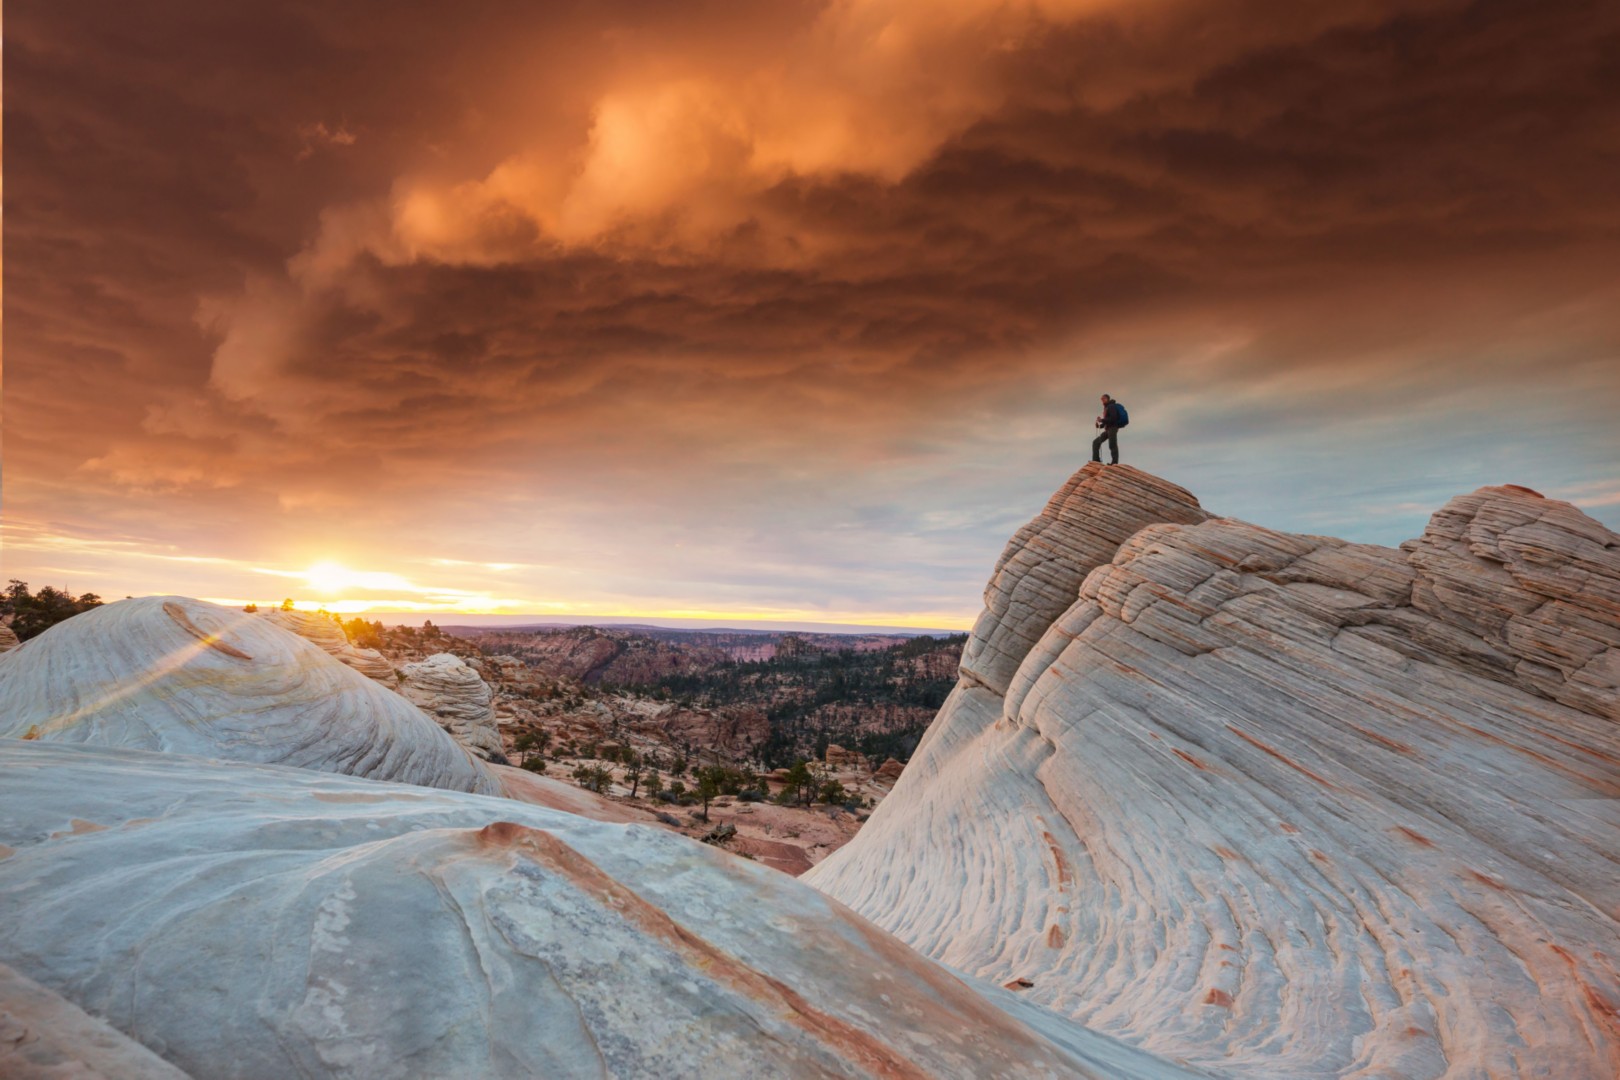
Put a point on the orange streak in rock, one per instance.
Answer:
(1252, 741)
(79, 827)
(213, 641)
(1398, 747)
(1065, 878)
(862, 1049)
(1610, 788)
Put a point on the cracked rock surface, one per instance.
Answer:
(1282, 806)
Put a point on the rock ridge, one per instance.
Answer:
(1245, 777)
(184, 676)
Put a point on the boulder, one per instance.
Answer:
(174, 674)
(889, 771)
(1277, 805)
(839, 758)
(449, 690)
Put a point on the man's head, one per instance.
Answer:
(1106, 399)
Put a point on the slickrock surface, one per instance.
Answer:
(255, 921)
(1538, 582)
(43, 1036)
(170, 673)
(1283, 806)
(1039, 572)
(454, 694)
(330, 637)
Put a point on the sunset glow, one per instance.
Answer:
(779, 311)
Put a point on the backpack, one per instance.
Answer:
(1121, 415)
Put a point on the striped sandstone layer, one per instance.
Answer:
(1281, 806)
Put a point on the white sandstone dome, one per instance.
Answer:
(179, 675)
(1282, 806)
(260, 922)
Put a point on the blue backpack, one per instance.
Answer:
(1121, 415)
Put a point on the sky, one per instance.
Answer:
(786, 311)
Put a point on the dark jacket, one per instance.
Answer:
(1110, 415)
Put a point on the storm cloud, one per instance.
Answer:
(789, 308)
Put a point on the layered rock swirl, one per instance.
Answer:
(453, 693)
(262, 922)
(330, 637)
(1280, 806)
(184, 676)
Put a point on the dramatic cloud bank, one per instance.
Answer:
(784, 309)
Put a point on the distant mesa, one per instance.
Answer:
(1275, 805)
(189, 677)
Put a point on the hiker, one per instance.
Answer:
(1113, 418)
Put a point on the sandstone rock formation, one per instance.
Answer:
(837, 757)
(736, 733)
(1039, 573)
(453, 693)
(188, 677)
(8, 639)
(330, 637)
(43, 1036)
(1280, 806)
(267, 922)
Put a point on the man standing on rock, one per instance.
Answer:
(1113, 418)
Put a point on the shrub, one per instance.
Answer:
(592, 778)
(32, 614)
